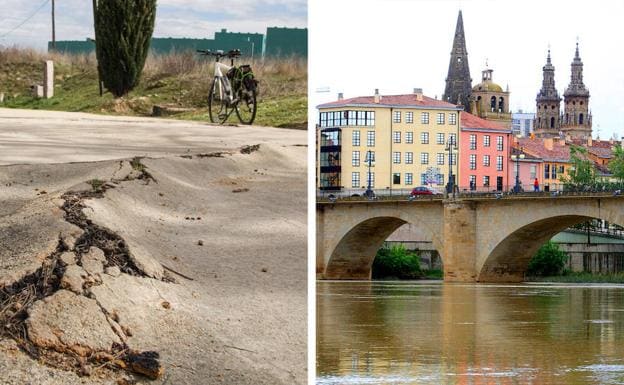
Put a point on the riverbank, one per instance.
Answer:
(580, 277)
(177, 82)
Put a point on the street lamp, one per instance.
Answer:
(517, 158)
(369, 191)
(451, 145)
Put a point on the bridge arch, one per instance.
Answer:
(506, 255)
(349, 251)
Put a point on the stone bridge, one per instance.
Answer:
(479, 239)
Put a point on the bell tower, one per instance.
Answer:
(458, 81)
(576, 121)
(547, 120)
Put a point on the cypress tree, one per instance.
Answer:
(123, 31)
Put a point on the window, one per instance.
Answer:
(370, 138)
(347, 118)
(499, 163)
(553, 172)
(561, 170)
(409, 178)
(440, 180)
(440, 158)
(355, 138)
(355, 179)
(473, 141)
(409, 157)
(396, 137)
(486, 181)
(330, 138)
(370, 179)
(409, 117)
(499, 143)
(396, 157)
(424, 138)
(453, 159)
(424, 118)
(355, 159)
(396, 178)
(409, 137)
(533, 171)
(423, 179)
(546, 171)
(424, 158)
(486, 141)
(440, 119)
(473, 161)
(473, 180)
(486, 160)
(396, 117)
(371, 155)
(440, 138)
(453, 118)
(453, 139)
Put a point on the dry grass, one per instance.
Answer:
(178, 79)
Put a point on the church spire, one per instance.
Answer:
(458, 81)
(547, 120)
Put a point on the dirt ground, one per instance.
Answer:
(227, 226)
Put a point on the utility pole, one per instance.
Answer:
(53, 29)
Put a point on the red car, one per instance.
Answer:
(424, 191)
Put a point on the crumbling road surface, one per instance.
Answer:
(150, 251)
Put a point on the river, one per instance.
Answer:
(429, 332)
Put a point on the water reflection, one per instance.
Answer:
(434, 333)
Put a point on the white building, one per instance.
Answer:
(522, 123)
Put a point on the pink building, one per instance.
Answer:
(483, 154)
(530, 167)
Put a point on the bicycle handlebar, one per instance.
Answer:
(219, 53)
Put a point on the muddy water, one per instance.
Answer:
(435, 333)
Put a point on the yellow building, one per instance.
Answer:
(405, 135)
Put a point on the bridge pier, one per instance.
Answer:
(460, 241)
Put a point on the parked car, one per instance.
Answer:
(424, 190)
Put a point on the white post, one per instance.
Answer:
(48, 79)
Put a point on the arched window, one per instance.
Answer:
(501, 104)
(493, 103)
(580, 118)
(539, 122)
(567, 118)
(552, 122)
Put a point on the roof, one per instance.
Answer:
(536, 147)
(487, 86)
(470, 121)
(398, 101)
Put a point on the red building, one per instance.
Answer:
(483, 154)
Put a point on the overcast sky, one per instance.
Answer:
(174, 18)
(396, 45)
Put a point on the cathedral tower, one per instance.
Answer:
(458, 81)
(576, 120)
(547, 119)
(489, 101)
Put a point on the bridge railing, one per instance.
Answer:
(484, 192)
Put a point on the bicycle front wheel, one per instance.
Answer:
(217, 103)
(246, 106)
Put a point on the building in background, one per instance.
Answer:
(577, 120)
(483, 154)
(404, 136)
(489, 101)
(279, 42)
(522, 123)
(555, 156)
(458, 82)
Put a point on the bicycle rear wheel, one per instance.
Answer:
(246, 106)
(217, 103)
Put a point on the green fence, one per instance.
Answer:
(279, 42)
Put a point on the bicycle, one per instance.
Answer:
(234, 91)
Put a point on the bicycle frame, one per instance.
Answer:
(219, 71)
